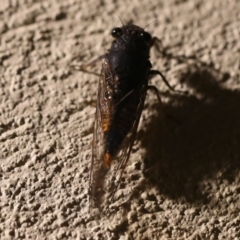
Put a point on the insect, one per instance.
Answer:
(123, 84)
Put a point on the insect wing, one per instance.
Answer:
(98, 169)
(104, 181)
(124, 154)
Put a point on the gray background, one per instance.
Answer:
(182, 179)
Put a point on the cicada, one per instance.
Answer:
(122, 89)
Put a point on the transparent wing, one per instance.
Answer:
(124, 154)
(104, 181)
(98, 170)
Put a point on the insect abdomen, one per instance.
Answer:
(119, 127)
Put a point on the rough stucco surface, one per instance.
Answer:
(182, 180)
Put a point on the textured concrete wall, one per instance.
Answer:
(182, 179)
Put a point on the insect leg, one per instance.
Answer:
(83, 67)
(157, 43)
(156, 72)
(153, 88)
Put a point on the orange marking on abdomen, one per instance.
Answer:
(107, 159)
(106, 124)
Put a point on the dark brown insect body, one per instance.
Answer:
(126, 70)
(121, 94)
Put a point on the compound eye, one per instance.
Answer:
(147, 37)
(117, 32)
